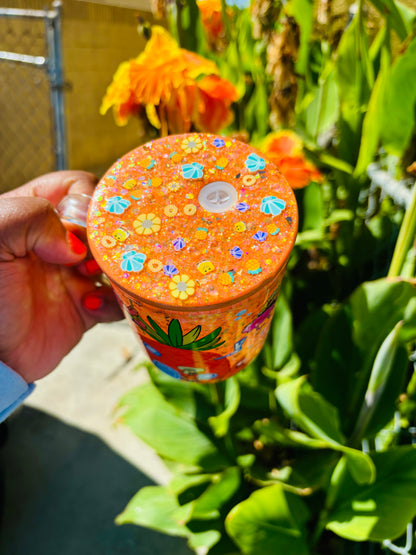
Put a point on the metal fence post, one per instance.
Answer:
(53, 31)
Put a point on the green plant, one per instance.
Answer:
(307, 451)
(271, 459)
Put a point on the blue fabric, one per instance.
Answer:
(13, 390)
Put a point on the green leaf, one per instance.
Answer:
(175, 333)
(383, 509)
(309, 410)
(208, 339)
(269, 521)
(171, 432)
(322, 112)
(192, 335)
(372, 121)
(355, 78)
(302, 11)
(204, 539)
(271, 432)
(182, 482)
(350, 340)
(221, 490)
(389, 10)
(408, 331)
(314, 415)
(257, 110)
(192, 398)
(282, 342)
(155, 507)
(221, 422)
(336, 163)
(162, 336)
(398, 116)
(313, 207)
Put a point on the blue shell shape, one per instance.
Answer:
(219, 143)
(133, 261)
(254, 163)
(260, 236)
(170, 270)
(117, 205)
(242, 207)
(272, 205)
(178, 244)
(192, 171)
(236, 252)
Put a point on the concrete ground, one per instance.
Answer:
(66, 470)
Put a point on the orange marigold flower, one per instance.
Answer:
(216, 97)
(284, 148)
(211, 18)
(120, 96)
(164, 80)
(283, 143)
(298, 171)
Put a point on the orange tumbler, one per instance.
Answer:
(194, 233)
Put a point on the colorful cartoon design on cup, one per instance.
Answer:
(196, 256)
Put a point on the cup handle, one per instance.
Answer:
(74, 209)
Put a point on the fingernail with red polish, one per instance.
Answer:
(91, 267)
(92, 302)
(77, 246)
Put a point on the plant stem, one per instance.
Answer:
(405, 239)
(332, 493)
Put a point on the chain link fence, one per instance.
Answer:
(31, 105)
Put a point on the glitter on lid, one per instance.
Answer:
(152, 236)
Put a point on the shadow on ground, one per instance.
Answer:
(62, 489)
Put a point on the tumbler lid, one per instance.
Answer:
(192, 220)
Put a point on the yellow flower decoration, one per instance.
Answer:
(155, 265)
(189, 209)
(146, 224)
(181, 287)
(108, 242)
(174, 186)
(249, 180)
(191, 144)
(170, 210)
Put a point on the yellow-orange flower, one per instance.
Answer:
(212, 19)
(169, 82)
(216, 96)
(284, 148)
(120, 96)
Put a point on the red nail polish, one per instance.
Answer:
(77, 246)
(92, 302)
(91, 267)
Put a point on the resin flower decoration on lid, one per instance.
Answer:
(178, 89)
(285, 149)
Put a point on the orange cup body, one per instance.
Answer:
(194, 233)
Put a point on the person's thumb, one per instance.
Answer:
(31, 224)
